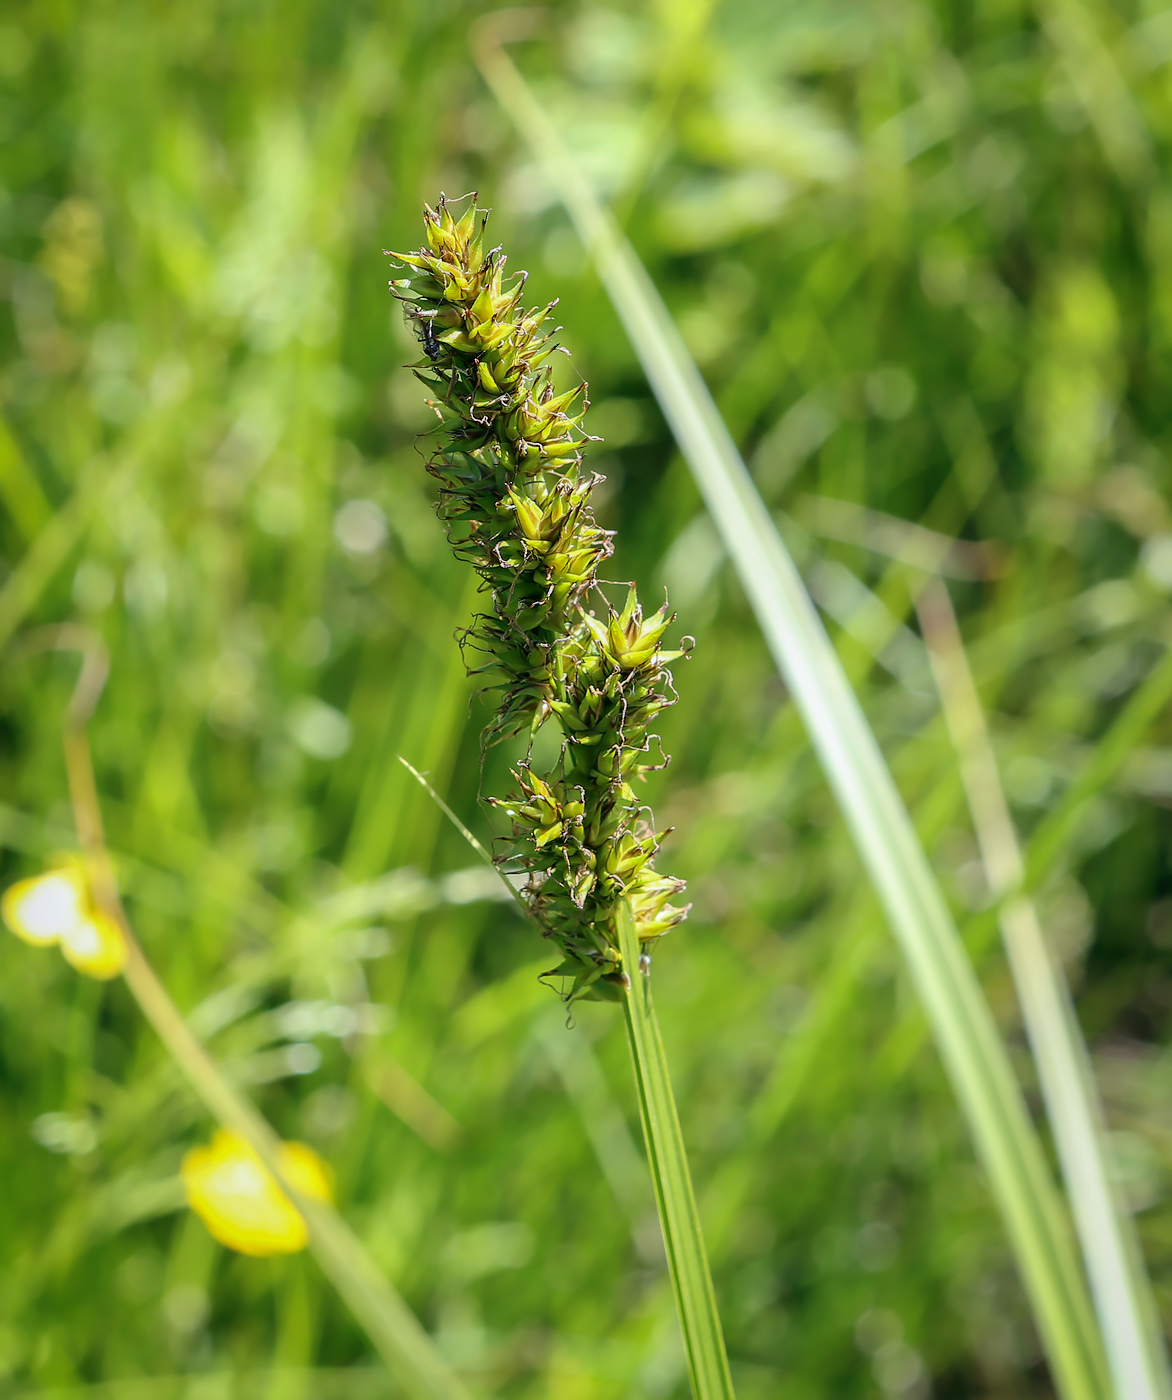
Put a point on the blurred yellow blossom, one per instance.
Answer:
(42, 910)
(239, 1201)
(55, 908)
(95, 946)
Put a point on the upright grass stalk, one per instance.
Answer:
(687, 1259)
(409, 1353)
(515, 496)
(974, 1055)
(1122, 1292)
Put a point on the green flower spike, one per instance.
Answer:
(515, 499)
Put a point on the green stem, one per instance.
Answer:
(687, 1259)
(679, 1220)
(409, 1353)
(404, 1346)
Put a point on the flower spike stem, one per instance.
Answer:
(409, 1353)
(687, 1258)
(515, 498)
(672, 1181)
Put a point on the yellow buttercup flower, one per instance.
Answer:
(95, 946)
(55, 908)
(42, 910)
(239, 1201)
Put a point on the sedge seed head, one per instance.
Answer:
(515, 497)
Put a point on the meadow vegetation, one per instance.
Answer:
(921, 257)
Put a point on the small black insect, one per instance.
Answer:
(431, 346)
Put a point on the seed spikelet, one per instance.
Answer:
(514, 496)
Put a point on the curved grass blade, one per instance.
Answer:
(970, 1045)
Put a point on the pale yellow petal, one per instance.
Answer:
(46, 908)
(95, 946)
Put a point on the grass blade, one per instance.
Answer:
(970, 1045)
(580, 1075)
(1120, 1286)
(686, 1257)
(477, 845)
(1055, 832)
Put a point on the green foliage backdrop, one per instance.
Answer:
(922, 254)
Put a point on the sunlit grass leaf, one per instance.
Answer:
(970, 1045)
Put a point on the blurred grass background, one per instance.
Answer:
(922, 254)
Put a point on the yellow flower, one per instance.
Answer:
(55, 908)
(95, 946)
(42, 910)
(239, 1201)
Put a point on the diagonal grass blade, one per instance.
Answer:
(972, 1050)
